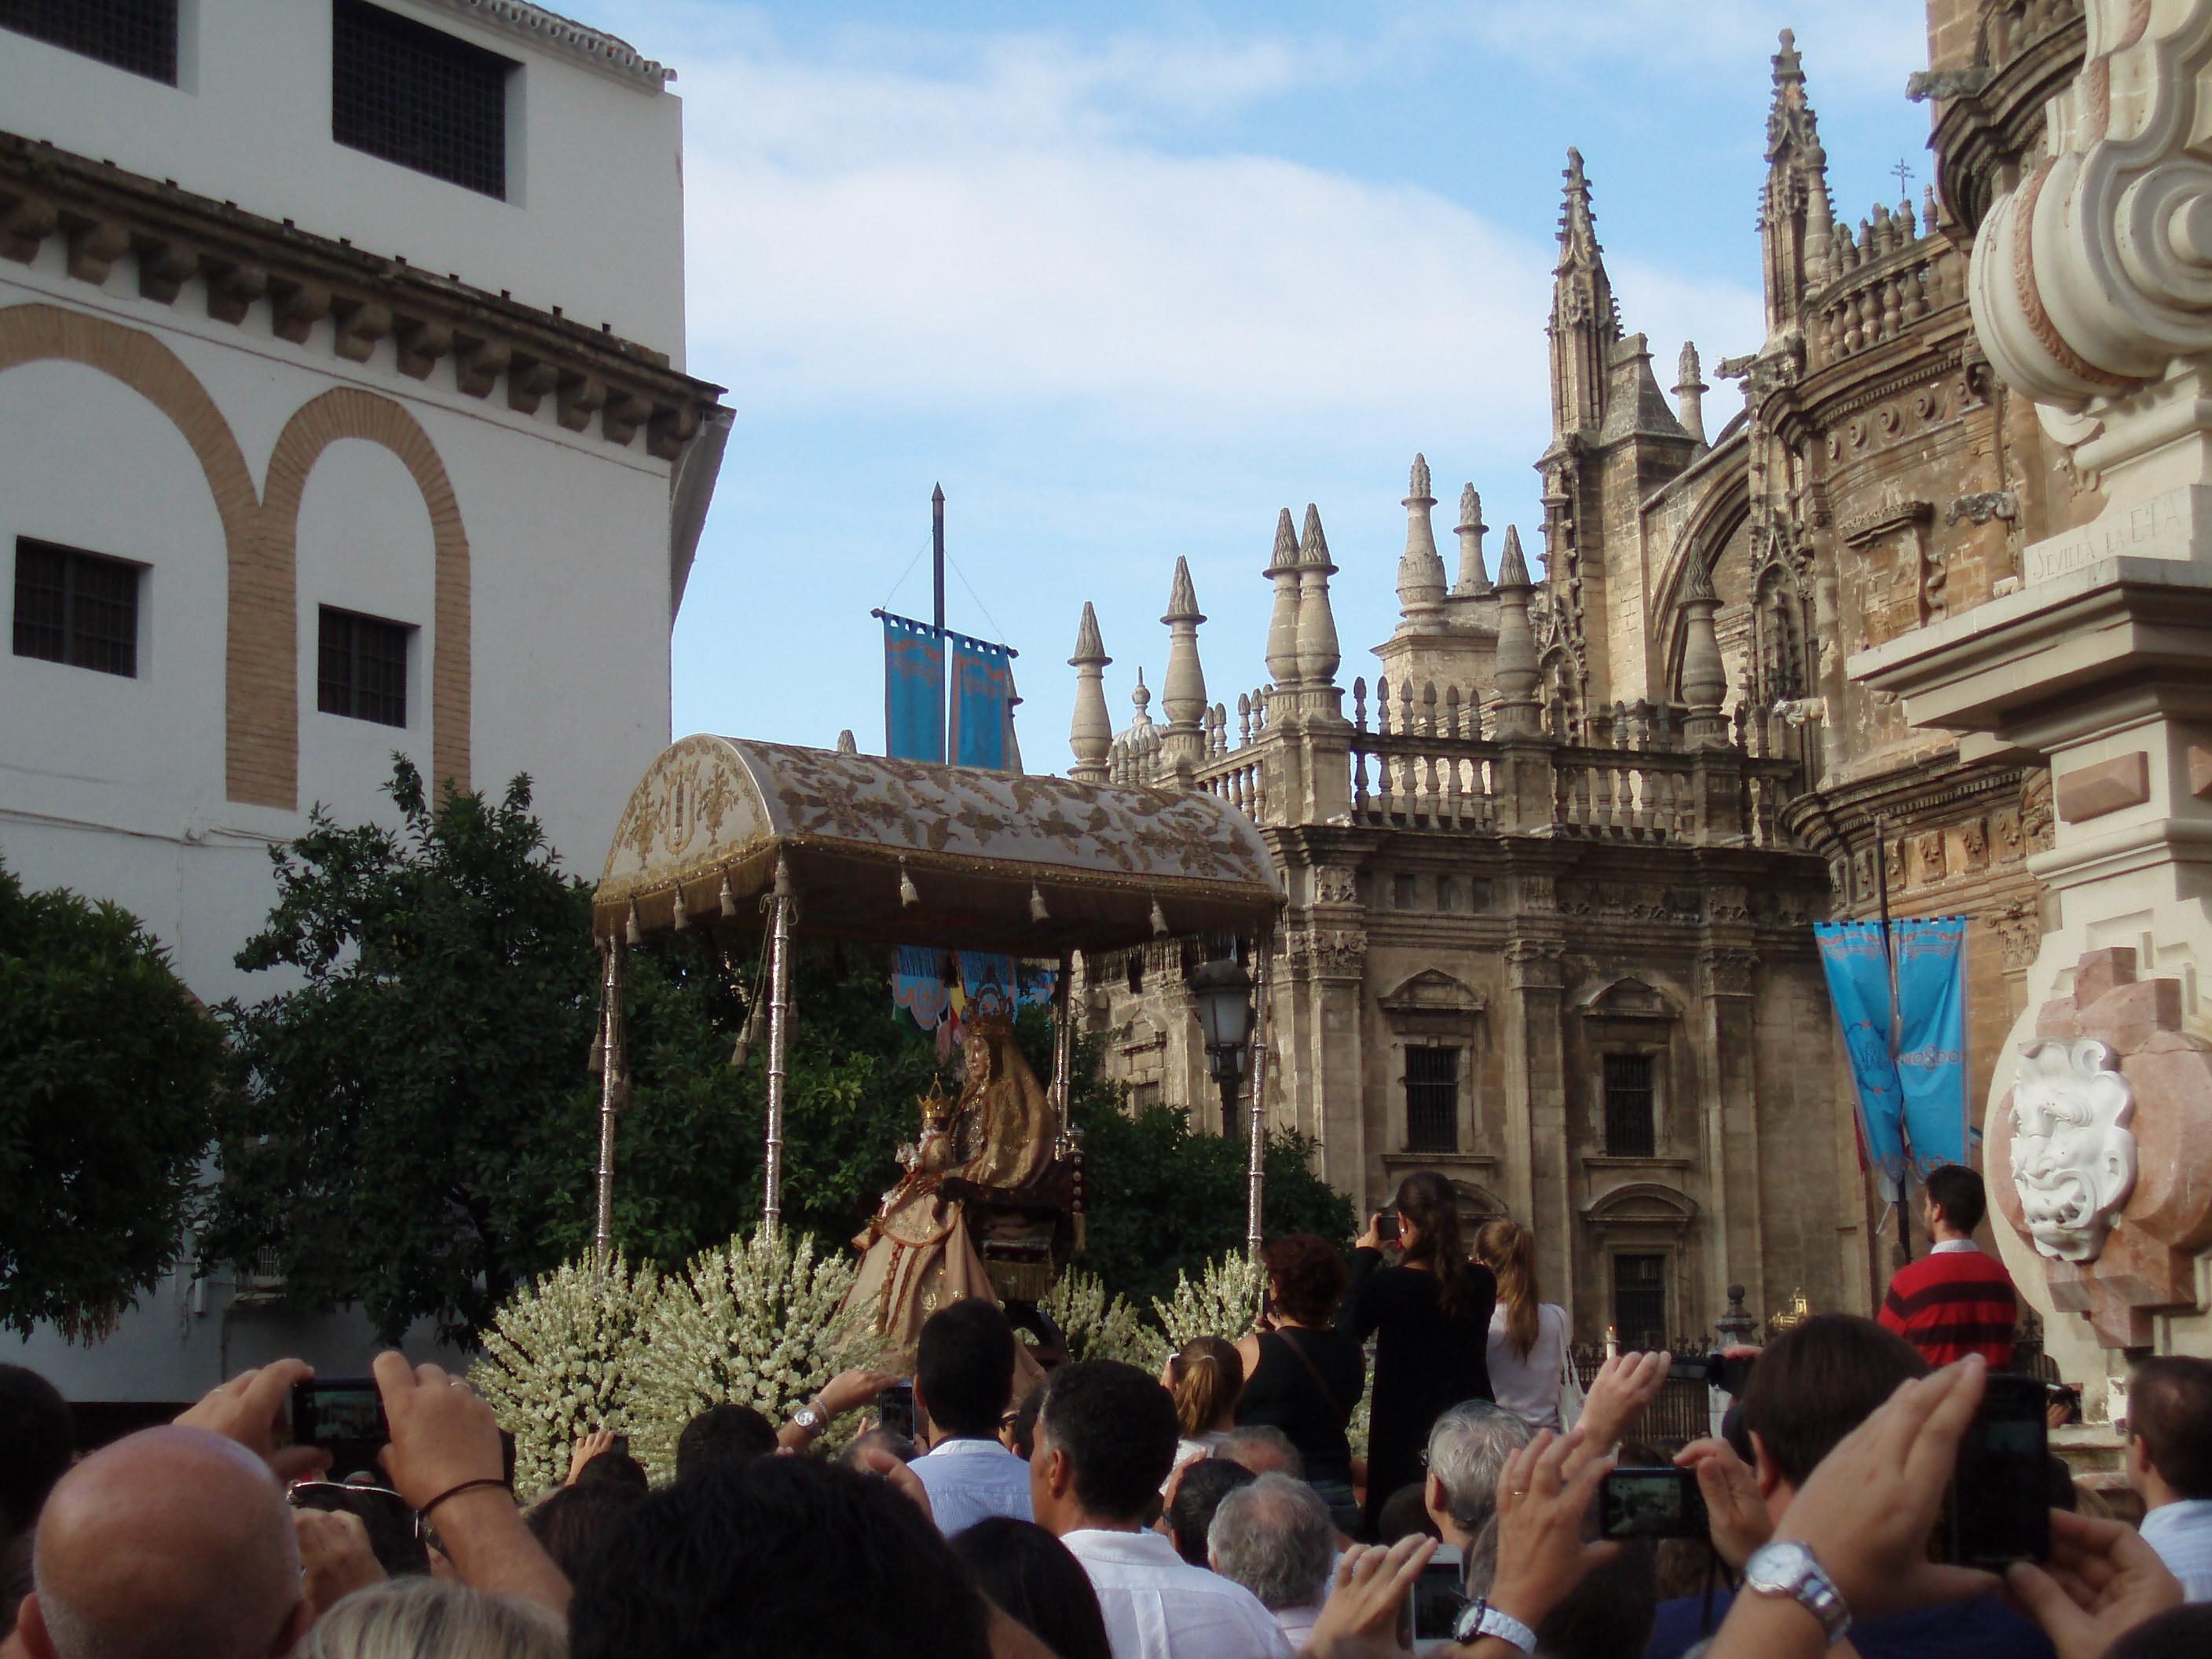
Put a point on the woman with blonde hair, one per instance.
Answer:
(1527, 1335)
(431, 1618)
(1204, 1375)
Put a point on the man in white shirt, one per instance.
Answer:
(2169, 1461)
(1105, 1440)
(963, 1379)
(1274, 1537)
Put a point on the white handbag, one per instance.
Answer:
(1570, 1382)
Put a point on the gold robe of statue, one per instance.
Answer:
(921, 1254)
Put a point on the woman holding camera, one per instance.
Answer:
(1429, 1316)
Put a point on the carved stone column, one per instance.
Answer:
(2092, 293)
(1537, 1180)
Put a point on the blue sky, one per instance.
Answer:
(1129, 279)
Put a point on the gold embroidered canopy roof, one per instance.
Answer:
(972, 844)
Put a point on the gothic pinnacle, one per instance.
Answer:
(1089, 647)
(1473, 573)
(1420, 571)
(1090, 733)
(1513, 567)
(1283, 621)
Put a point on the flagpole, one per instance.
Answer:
(1889, 958)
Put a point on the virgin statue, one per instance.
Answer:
(923, 1248)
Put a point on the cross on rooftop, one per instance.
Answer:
(1904, 172)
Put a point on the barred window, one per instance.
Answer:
(138, 35)
(1432, 1100)
(362, 667)
(76, 608)
(1631, 1130)
(419, 97)
(1639, 1301)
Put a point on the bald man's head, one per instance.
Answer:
(173, 1543)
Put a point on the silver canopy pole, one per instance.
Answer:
(1256, 1172)
(610, 1065)
(779, 1019)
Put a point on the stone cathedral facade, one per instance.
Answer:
(1551, 874)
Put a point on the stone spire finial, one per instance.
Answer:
(1319, 653)
(1473, 573)
(1420, 571)
(1797, 182)
(1282, 623)
(1585, 319)
(1091, 734)
(1515, 663)
(1690, 393)
(1184, 696)
(1704, 680)
(1140, 699)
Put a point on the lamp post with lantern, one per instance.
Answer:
(1223, 991)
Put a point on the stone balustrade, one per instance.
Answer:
(1881, 282)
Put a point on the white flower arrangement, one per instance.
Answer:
(558, 1361)
(759, 1322)
(1095, 1326)
(1223, 1302)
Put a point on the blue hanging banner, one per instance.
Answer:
(914, 690)
(1858, 984)
(1931, 1046)
(918, 983)
(982, 703)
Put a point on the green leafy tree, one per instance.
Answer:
(1164, 1199)
(407, 1113)
(108, 1074)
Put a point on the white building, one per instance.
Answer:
(342, 411)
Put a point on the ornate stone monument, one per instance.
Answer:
(2091, 292)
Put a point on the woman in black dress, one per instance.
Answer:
(1301, 1376)
(1429, 1316)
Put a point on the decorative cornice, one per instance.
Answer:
(244, 260)
(607, 52)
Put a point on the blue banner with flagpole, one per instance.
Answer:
(1858, 984)
(1931, 1043)
(982, 703)
(914, 690)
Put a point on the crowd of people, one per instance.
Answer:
(1216, 1512)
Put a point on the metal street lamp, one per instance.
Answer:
(1223, 991)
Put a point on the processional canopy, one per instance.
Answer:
(906, 852)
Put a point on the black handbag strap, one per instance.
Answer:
(1327, 1394)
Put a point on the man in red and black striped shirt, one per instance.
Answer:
(1954, 1301)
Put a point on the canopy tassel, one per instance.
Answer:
(1159, 921)
(729, 901)
(1038, 911)
(632, 933)
(682, 912)
(909, 895)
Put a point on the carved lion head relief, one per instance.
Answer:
(2073, 1154)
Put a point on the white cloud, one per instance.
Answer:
(995, 231)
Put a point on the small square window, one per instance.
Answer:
(1447, 894)
(361, 667)
(1631, 1129)
(138, 35)
(76, 608)
(1401, 892)
(418, 96)
(1432, 1100)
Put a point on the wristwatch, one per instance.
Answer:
(810, 1417)
(1789, 1569)
(1479, 1619)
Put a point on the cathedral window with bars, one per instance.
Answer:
(362, 667)
(76, 608)
(1630, 1108)
(1639, 1301)
(1432, 1099)
(417, 96)
(137, 35)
